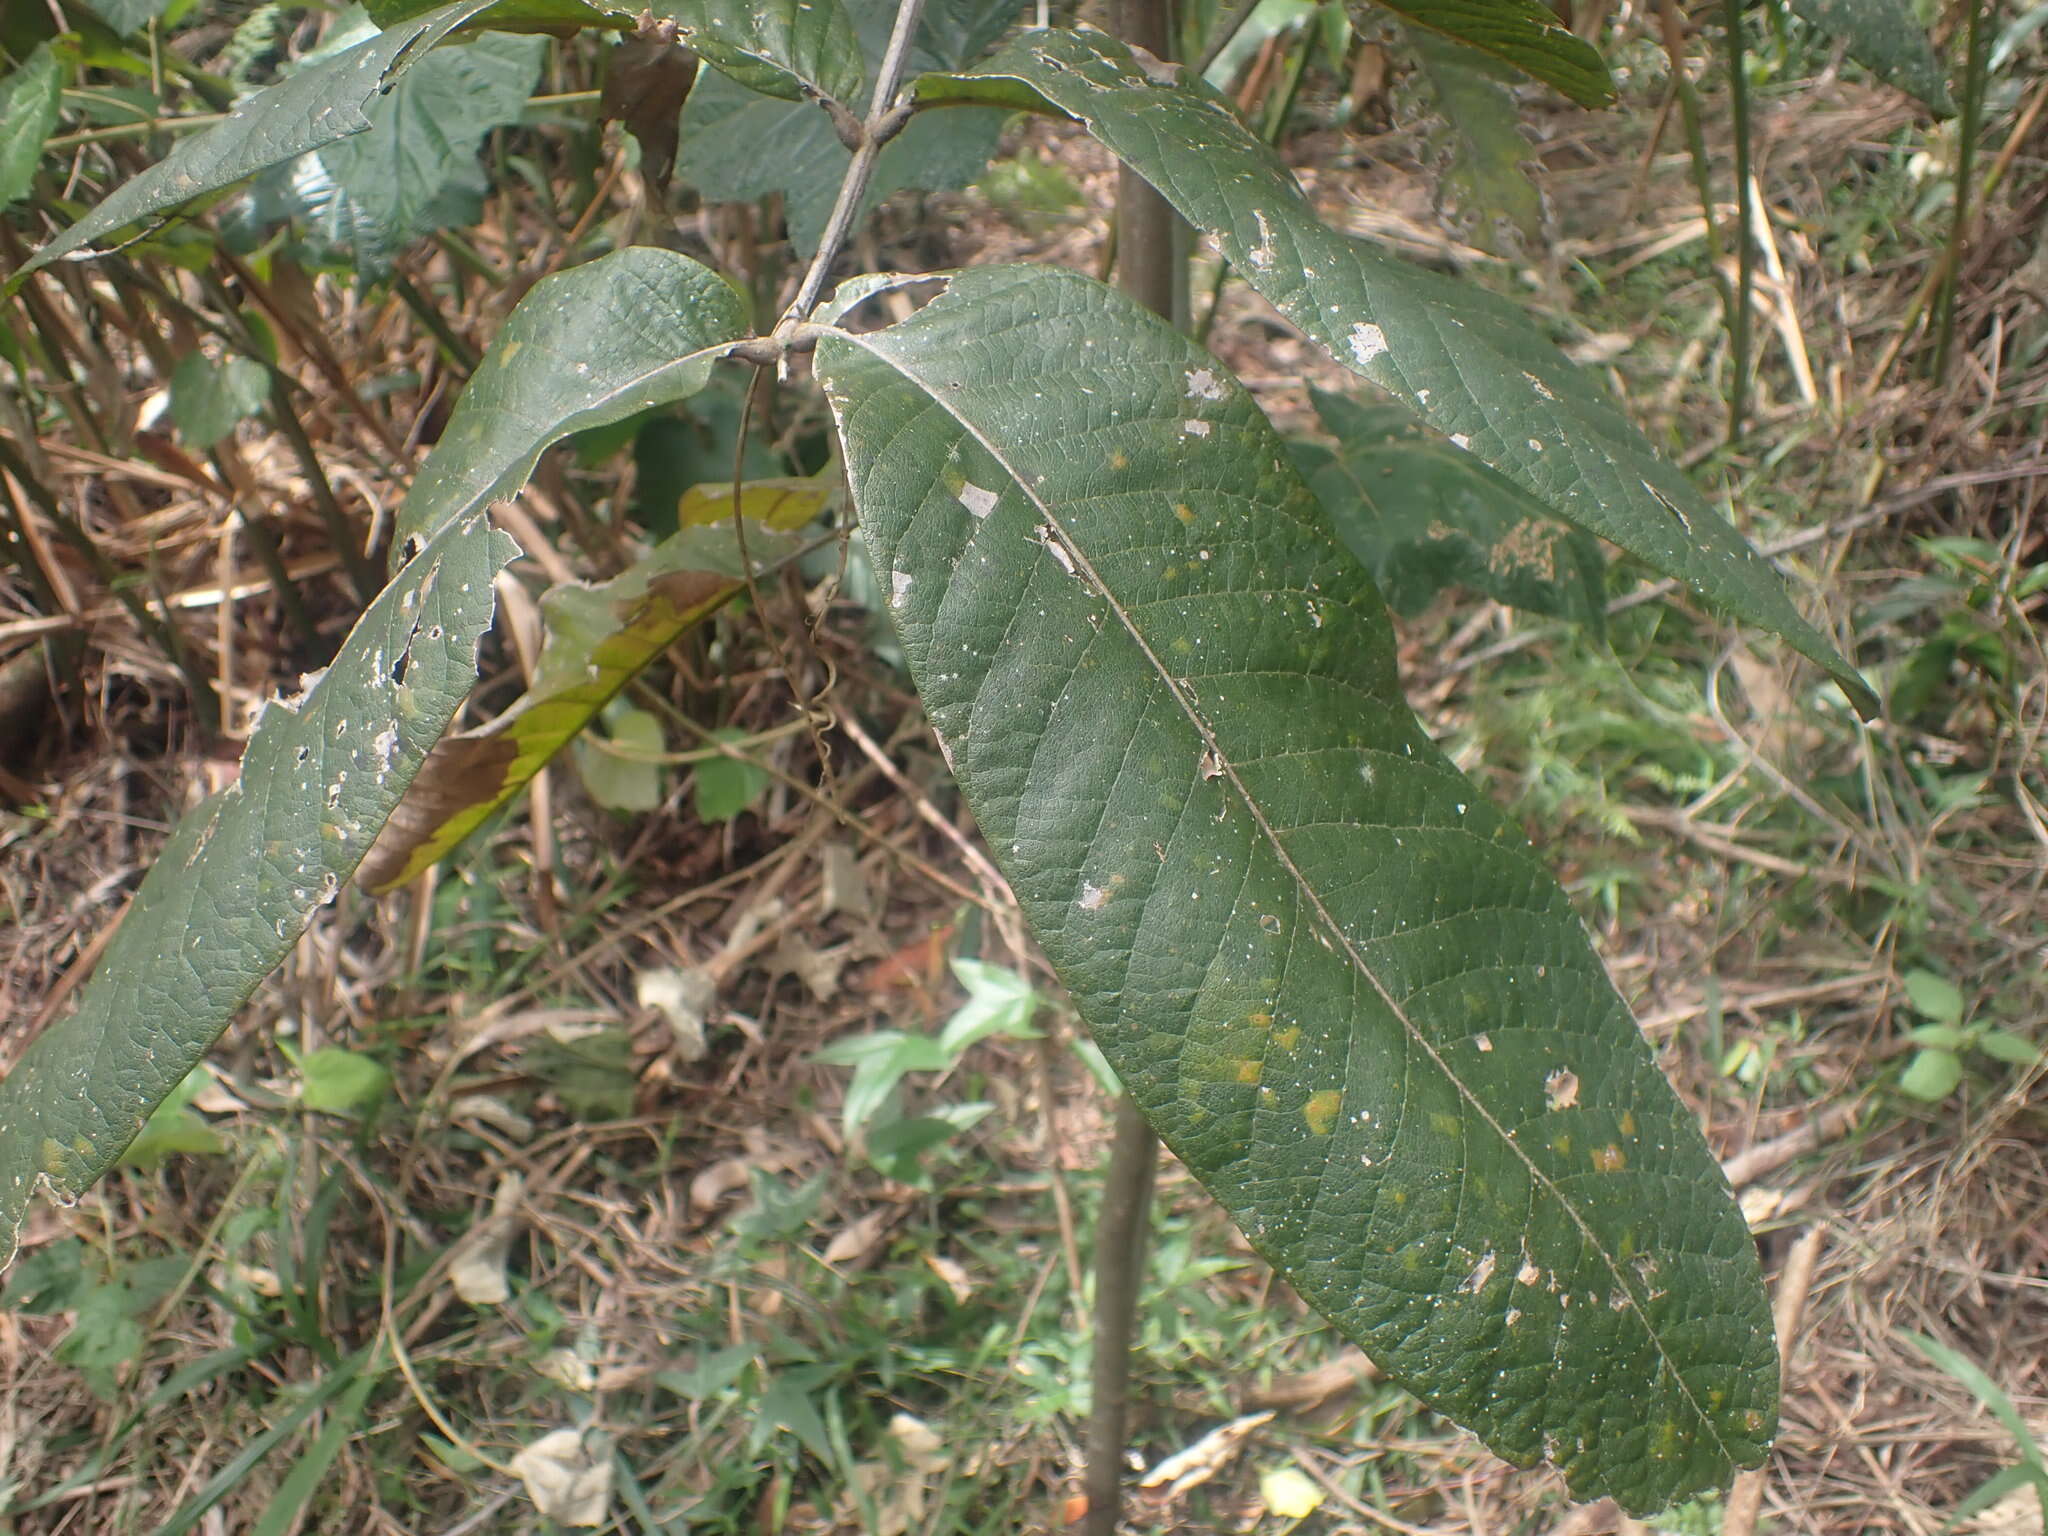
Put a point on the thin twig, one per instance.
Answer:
(883, 120)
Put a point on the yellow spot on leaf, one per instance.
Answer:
(1184, 512)
(1610, 1159)
(1248, 1071)
(1321, 1110)
(1287, 1039)
(1628, 1122)
(1117, 460)
(1261, 1020)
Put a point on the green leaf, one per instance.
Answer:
(1524, 34)
(1467, 361)
(628, 779)
(1934, 996)
(558, 17)
(1884, 37)
(337, 1081)
(173, 1128)
(242, 875)
(722, 787)
(1337, 980)
(600, 342)
(596, 639)
(1932, 1074)
(127, 17)
(1423, 516)
(28, 111)
(311, 107)
(299, 1485)
(797, 50)
(1485, 131)
(208, 398)
(999, 1002)
(738, 146)
(2003, 1045)
(370, 194)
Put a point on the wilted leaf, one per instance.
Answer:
(311, 107)
(647, 78)
(1196, 1464)
(568, 1478)
(1331, 973)
(597, 639)
(1467, 361)
(476, 1267)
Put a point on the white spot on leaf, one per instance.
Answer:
(976, 500)
(1204, 385)
(1481, 1273)
(1562, 1088)
(1367, 343)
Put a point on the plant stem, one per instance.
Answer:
(1745, 245)
(882, 122)
(1150, 268)
(1120, 1243)
(1976, 50)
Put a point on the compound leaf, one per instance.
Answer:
(313, 106)
(1467, 361)
(1336, 979)
(243, 874)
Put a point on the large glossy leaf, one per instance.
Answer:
(587, 347)
(1467, 361)
(1422, 516)
(28, 111)
(309, 108)
(597, 639)
(1523, 33)
(1337, 980)
(1886, 39)
(794, 49)
(243, 874)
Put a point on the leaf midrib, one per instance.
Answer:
(1335, 930)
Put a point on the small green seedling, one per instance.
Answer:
(999, 1002)
(1937, 1066)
